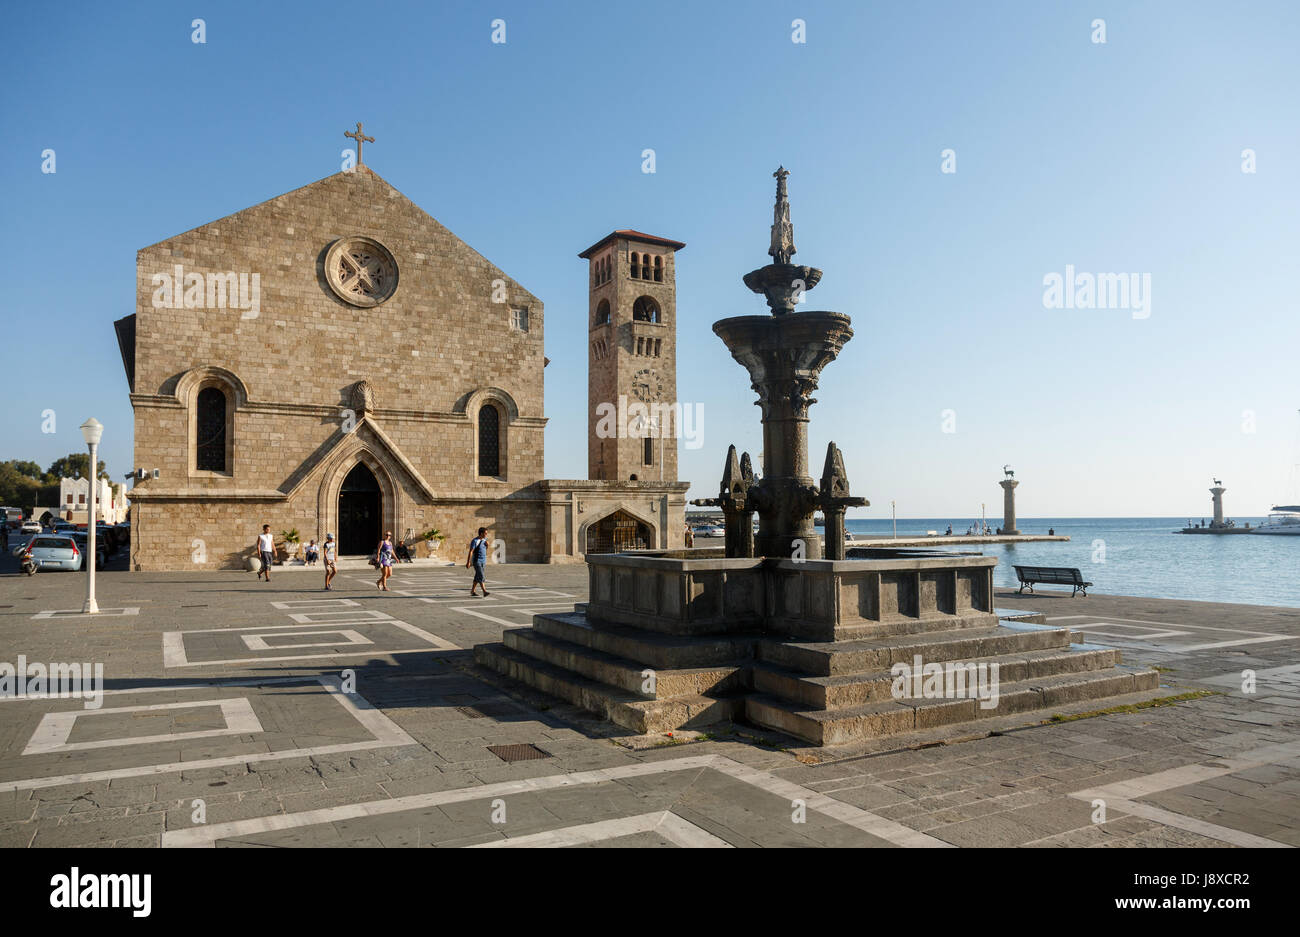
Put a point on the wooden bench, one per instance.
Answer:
(1051, 575)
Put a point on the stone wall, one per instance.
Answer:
(435, 352)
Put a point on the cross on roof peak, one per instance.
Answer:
(359, 137)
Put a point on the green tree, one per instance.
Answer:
(74, 465)
(30, 469)
(20, 490)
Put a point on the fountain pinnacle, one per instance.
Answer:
(782, 282)
(784, 354)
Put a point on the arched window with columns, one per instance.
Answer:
(211, 397)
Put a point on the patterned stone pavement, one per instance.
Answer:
(243, 713)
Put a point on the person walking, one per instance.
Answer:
(478, 559)
(265, 550)
(689, 537)
(384, 556)
(330, 549)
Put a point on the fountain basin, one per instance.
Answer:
(820, 600)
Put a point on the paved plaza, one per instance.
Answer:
(241, 713)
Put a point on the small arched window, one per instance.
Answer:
(636, 265)
(659, 269)
(489, 440)
(210, 430)
(645, 309)
(602, 312)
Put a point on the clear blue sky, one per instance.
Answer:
(1120, 157)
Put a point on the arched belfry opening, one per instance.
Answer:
(360, 512)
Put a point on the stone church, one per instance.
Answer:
(335, 360)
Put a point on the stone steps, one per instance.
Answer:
(877, 719)
(844, 690)
(617, 705)
(830, 658)
(658, 650)
(904, 625)
(627, 675)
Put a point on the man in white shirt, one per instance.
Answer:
(266, 550)
(331, 560)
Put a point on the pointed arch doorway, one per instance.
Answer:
(618, 532)
(359, 512)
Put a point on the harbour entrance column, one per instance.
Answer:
(1008, 506)
(1217, 493)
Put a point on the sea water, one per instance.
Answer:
(1137, 556)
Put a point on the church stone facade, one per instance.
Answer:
(335, 360)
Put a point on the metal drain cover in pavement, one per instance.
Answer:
(492, 710)
(518, 752)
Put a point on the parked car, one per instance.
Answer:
(53, 551)
(103, 550)
(710, 530)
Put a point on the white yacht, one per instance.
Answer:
(1284, 519)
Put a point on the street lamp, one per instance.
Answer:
(91, 431)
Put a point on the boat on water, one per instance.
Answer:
(1283, 519)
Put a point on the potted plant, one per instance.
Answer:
(291, 541)
(432, 538)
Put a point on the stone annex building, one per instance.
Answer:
(380, 374)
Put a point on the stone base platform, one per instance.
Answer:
(810, 649)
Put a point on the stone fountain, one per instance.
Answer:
(783, 630)
(784, 354)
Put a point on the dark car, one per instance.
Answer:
(102, 550)
(108, 534)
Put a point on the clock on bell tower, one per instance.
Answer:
(632, 357)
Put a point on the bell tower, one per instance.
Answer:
(632, 411)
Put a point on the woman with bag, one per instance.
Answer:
(384, 560)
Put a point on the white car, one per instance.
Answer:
(710, 530)
(30, 527)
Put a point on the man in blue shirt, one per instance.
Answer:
(478, 548)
